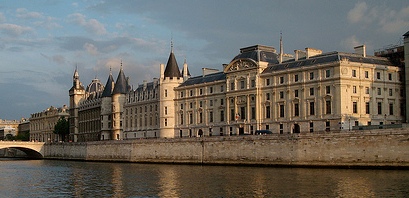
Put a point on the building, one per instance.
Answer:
(8, 127)
(96, 112)
(259, 89)
(42, 124)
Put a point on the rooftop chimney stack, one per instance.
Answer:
(360, 50)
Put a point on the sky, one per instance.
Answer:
(42, 42)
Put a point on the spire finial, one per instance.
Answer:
(121, 64)
(171, 42)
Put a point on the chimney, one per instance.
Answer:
(361, 50)
(162, 71)
(312, 52)
(299, 54)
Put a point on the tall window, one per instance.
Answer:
(389, 76)
(353, 73)
(221, 101)
(378, 75)
(267, 96)
(390, 92)
(296, 93)
(296, 77)
(281, 79)
(311, 75)
(296, 109)
(367, 109)
(267, 81)
(366, 74)
(200, 117)
(211, 116)
(355, 107)
(312, 108)
(281, 94)
(379, 108)
(253, 113)
(268, 112)
(328, 107)
(166, 110)
(181, 118)
(353, 89)
(327, 73)
(232, 116)
(166, 93)
(221, 116)
(390, 108)
(281, 110)
(242, 84)
(379, 91)
(366, 90)
(327, 89)
(311, 91)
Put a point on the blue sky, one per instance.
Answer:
(42, 41)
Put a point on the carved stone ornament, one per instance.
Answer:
(241, 64)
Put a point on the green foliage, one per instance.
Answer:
(9, 137)
(23, 136)
(62, 128)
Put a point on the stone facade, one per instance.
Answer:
(42, 124)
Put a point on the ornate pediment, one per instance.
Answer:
(240, 64)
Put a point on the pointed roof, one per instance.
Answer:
(406, 34)
(183, 70)
(172, 68)
(121, 85)
(109, 86)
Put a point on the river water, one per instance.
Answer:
(53, 178)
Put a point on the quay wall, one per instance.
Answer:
(371, 148)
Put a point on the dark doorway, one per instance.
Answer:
(296, 128)
(241, 131)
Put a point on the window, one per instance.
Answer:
(222, 101)
(328, 107)
(366, 90)
(391, 109)
(211, 103)
(378, 75)
(267, 96)
(200, 103)
(242, 84)
(379, 108)
(354, 107)
(181, 94)
(296, 78)
(389, 76)
(282, 111)
(166, 93)
(353, 73)
(366, 74)
(232, 116)
(379, 91)
(312, 108)
(181, 118)
(327, 73)
(353, 89)
(296, 109)
(311, 75)
(311, 127)
(253, 83)
(221, 116)
(296, 93)
(200, 117)
(232, 86)
(166, 122)
(327, 89)
(253, 113)
(390, 92)
(267, 81)
(221, 88)
(191, 105)
(367, 109)
(281, 94)
(327, 126)
(166, 110)
(311, 91)
(281, 128)
(200, 91)
(242, 113)
(281, 79)
(191, 92)
(210, 89)
(267, 111)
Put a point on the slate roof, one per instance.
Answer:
(204, 79)
(108, 87)
(172, 68)
(258, 53)
(406, 34)
(326, 58)
(121, 85)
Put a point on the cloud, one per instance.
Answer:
(56, 58)
(357, 13)
(13, 29)
(350, 42)
(25, 14)
(382, 17)
(92, 25)
(91, 49)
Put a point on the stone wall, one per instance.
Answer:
(389, 147)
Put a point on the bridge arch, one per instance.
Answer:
(33, 150)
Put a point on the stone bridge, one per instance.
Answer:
(32, 149)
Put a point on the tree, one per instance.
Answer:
(62, 127)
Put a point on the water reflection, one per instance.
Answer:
(91, 179)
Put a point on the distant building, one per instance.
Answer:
(8, 127)
(42, 124)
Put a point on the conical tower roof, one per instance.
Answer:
(109, 86)
(121, 85)
(172, 68)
